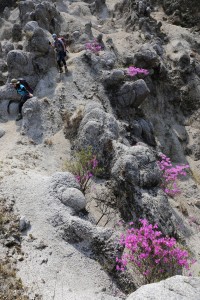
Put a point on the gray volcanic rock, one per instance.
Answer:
(137, 165)
(19, 62)
(136, 178)
(97, 128)
(174, 288)
(141, 92)
(186, 10)
(39, 41)
(126, 121)
(16, 33)
(146, 57)
(113, 78)
(29, 28)
(74, 198)
(25, 8)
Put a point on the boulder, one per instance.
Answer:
(16, 32)
(61, 181)
(136, 179)
(126, 95)
(174, 288)
(7, 47)
(146, 57)
(19, 63)
(136, 165)
(96, 129)
(29, 28)
(25, 9)
(73, 198)
(39, 41)
(113, 78)
(132, 93)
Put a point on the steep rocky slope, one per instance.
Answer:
(69, 248)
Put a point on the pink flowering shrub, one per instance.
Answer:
(84, 167)
(154, 256)
(93, 46)
(132, 71)
(170, 175)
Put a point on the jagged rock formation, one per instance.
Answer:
(127, 120)
(184, 13)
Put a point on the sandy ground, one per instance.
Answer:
(59, 271)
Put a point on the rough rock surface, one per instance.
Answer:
(69, 246)
(177, 287)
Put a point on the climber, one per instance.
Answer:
(23, 92)
(60, 48)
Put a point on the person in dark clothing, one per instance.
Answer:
(60, 52)
(23, 92)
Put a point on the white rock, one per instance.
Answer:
(73, 198)
(173, 288)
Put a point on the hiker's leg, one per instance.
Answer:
(59, 60)
(64, 61)
(59, 64)
(22, 101)
(62, 58)
(65, 65)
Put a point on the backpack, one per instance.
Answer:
(64, 43)
(25, 84)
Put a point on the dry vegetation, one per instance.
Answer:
(10, 285)
(72, 122)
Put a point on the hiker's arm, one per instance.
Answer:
(52, 44)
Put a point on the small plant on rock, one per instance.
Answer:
(93, 46)
(84, 167)
(133, 71)
(170, 175)
(156, 257)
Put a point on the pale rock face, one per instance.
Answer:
(174, 288)
(73, 198)
(127, 121)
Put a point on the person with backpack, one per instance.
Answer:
(60, 48)
(23, 92)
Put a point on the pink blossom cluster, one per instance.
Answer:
(93, 46)
(170, 175)
(154, 256)
(85, 172)
(132, 71)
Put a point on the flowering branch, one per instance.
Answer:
(84, 167)
(170, 175)
(132, 71)
(93, 46)
(156, 257)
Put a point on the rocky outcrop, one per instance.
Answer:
(178, 287)
(8, 3)
(45, 13)
(183, 13)
(66, 188)
(96, 129)
(126, 119)
(137, 178)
